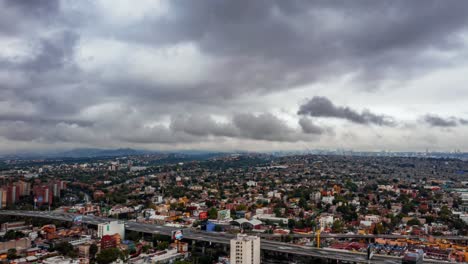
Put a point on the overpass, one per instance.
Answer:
(370, 236)
(219, 238)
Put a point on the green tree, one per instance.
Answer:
(379, 229)
(12, 234)
(182, 262)
(11, 253)
(213, 213)
(413, 222)
(337, 226)
(93, 249)
(64, 248)
(146, 248)
(108, 256)
(445, 213)
(162, 245)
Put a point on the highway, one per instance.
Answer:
(370, 236)
(213, 237)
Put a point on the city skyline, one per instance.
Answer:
(233, 75)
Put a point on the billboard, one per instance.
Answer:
(177, 234)
(78, 219)
(203, 215)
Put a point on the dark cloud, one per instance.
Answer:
(248, 126)
(42, 120)
(182, 129)
(252, 48)
(54, 53)
(39, 7)
(437, 121)
(322, 107)
(271, 45)
(264, 127)
(463, 121)
(309, 127)
(202, 125)
(23, 16)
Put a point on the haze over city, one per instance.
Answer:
(233, 75)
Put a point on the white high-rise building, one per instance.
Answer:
(245, 250)
(112, 228)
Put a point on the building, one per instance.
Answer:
(328, 199)
(98, 194)
(3, 197)
(42, 195)
(56, 187)
(111, 228)
(13, 194)
(108, 241)
(325, 221)
(166, 256)
(83, 250)
(245, 249)
(24, 188)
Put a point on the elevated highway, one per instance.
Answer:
(219, 238)
(371, 236)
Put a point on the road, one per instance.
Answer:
(213, 237)
(325, 235)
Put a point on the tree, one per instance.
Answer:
(337, 226)
(379, 229)
(162, 245)
(182, 262)
(64, 248)
(12, 234)
(213, 213)
(445, 213)
(406, 208)
(277, 212)
(413, 222)
(108, 256)
(146, 248)
(93, 249)
(11, 253)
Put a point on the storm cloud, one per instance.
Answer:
(199, 74)
(437, 121)
(322, 107)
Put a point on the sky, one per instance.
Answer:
(261, 75)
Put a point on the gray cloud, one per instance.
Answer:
(264, 127)
(437, 121)
(271, 43)
(309, 127)
(322, 107)
(248, 126)
(238, 52)
(202, 125)
(42, 120)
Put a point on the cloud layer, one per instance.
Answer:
(322, 107)
(221, 74)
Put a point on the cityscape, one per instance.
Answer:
(225, 208)
(233, 131)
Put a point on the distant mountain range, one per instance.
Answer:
(97, 152)
(120, 152)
